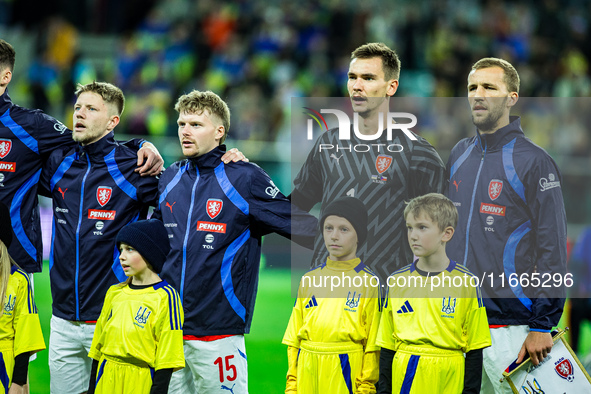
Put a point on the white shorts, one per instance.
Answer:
(69, 364)
(506, 344)
(212, 367)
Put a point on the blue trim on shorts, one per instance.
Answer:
(3, 374)
(99, 375)
(411, 370)
(346, 369)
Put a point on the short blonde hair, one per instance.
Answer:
(110, 93)
(440, 209)
(197, 102)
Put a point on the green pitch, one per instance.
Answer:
(267, 357)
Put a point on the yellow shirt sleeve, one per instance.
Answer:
(95, 349)
(27, 328)
(290, 337)
(169, 334)
(386, 329)
(371, 316)
(476, 327)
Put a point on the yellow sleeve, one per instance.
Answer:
(371, 318)
(296, 321)
(169, 335)
(27, 328)
(476, 329)
(370, 371)
(386, 329)
(292, 371)
(96, 346)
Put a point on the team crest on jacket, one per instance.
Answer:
(103, 195)
(5, 146)
(383, 162)
(494, 189)
(214, 207)
(564, 369)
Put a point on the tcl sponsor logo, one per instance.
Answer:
(492, 209)
(7, 166)
(102, 215)
(211, 227)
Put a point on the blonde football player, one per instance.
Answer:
(20, 330)
(433, 313)
(138, 340)
(332, 331)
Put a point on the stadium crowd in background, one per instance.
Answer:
(259, 55)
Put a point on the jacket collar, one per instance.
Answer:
(97, 150)
(501, 137)
(210, 160)
(5, 102)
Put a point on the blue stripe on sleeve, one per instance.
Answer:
(460, 161)
(177, 314)
(226, 273)
(30, 301)
(510, 172)
(229, 190)
(509, 260)
(173, 183)
(171, 308)
(61, 170)
(15, 215)
(118, 177)
(19, 132)
(411, 370)
(346, 369)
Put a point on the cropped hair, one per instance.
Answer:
(7, 56)
(511, 77)
(390, 60)
(197, 102)
(110, 93)
(440, 209)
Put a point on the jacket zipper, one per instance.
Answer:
(80, 214)
(187, 229)
(482, 156)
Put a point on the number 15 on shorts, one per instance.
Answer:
(227, 368)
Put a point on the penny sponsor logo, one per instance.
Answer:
(100, 214)
(492, 209)
(211, 227)
(7, 166)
